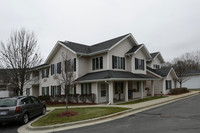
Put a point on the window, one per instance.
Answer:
(97, 63)
(118, 62)
(139, 64)
(119, 87)
(28, 91)
(156, 66)
(72, 90)
(56, 68)
(55, 90)
(168, 84)
(70, 65)
(138, 86)
(86, 88)
(45, 91)
(103, 89)
(45, 73)
(28, 76)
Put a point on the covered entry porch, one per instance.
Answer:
(114, 91)
(110, 85)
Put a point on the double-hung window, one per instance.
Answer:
(97, 63)
(118, 62)
(56, 68)
(45, 73)
(86, 88)
(139, 64)
(45, 91)
(70, 65)
(168, 84)
(55, 90)
(156, 66)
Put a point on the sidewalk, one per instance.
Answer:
(134, 108)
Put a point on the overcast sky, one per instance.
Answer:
(169, 26)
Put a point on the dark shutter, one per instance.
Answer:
(113, 64)
(74, 89)
(52, 69)
(90, 89)
(42, 73)
(124, 63)
(93, 64)
(81, 89)
(136, 63)
(48, 91)
(47, 72)
(59, 67)
(74, 64)
(59, 90)
(166, 84)
(101, 62)
(97, 63)
(52, 91)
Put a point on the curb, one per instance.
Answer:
(53, 127)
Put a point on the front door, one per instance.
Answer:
(103, 93)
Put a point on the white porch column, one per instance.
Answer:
(77, 67)
(111, 92)
(126, 91)
(152, 88)
(142, 89)
(164, 87)
(97, 93)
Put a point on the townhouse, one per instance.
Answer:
(116, 69)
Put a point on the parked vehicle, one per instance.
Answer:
(20, 108)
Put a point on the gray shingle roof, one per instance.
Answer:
(109, 74)
(193, 72)
(134, 48)
(153, 55)
(163, 72)
(81, 48)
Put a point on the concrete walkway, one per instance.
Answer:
(134, 108)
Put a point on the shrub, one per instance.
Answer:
(178, 91)
(91, 98)
(76, 98)
(83, 98)
(45, 98)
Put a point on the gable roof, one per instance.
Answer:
(163, 72)
(136, 48)
(155, 55)
(85, 49)
(113, 75)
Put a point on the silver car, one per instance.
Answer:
(20, 108)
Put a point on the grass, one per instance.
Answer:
(142, 100)
(83, 114)
(194, 89)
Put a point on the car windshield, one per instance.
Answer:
(8, 102)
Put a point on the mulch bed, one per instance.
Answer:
(63, 103)
(67, 114)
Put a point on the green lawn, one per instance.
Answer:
(142, 100)
(84, 113)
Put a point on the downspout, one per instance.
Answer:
(109, 92)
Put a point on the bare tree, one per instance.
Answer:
(18, 54)
(66, 79)
(180, 68)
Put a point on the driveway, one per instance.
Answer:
(178, 117)
(9, 127)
